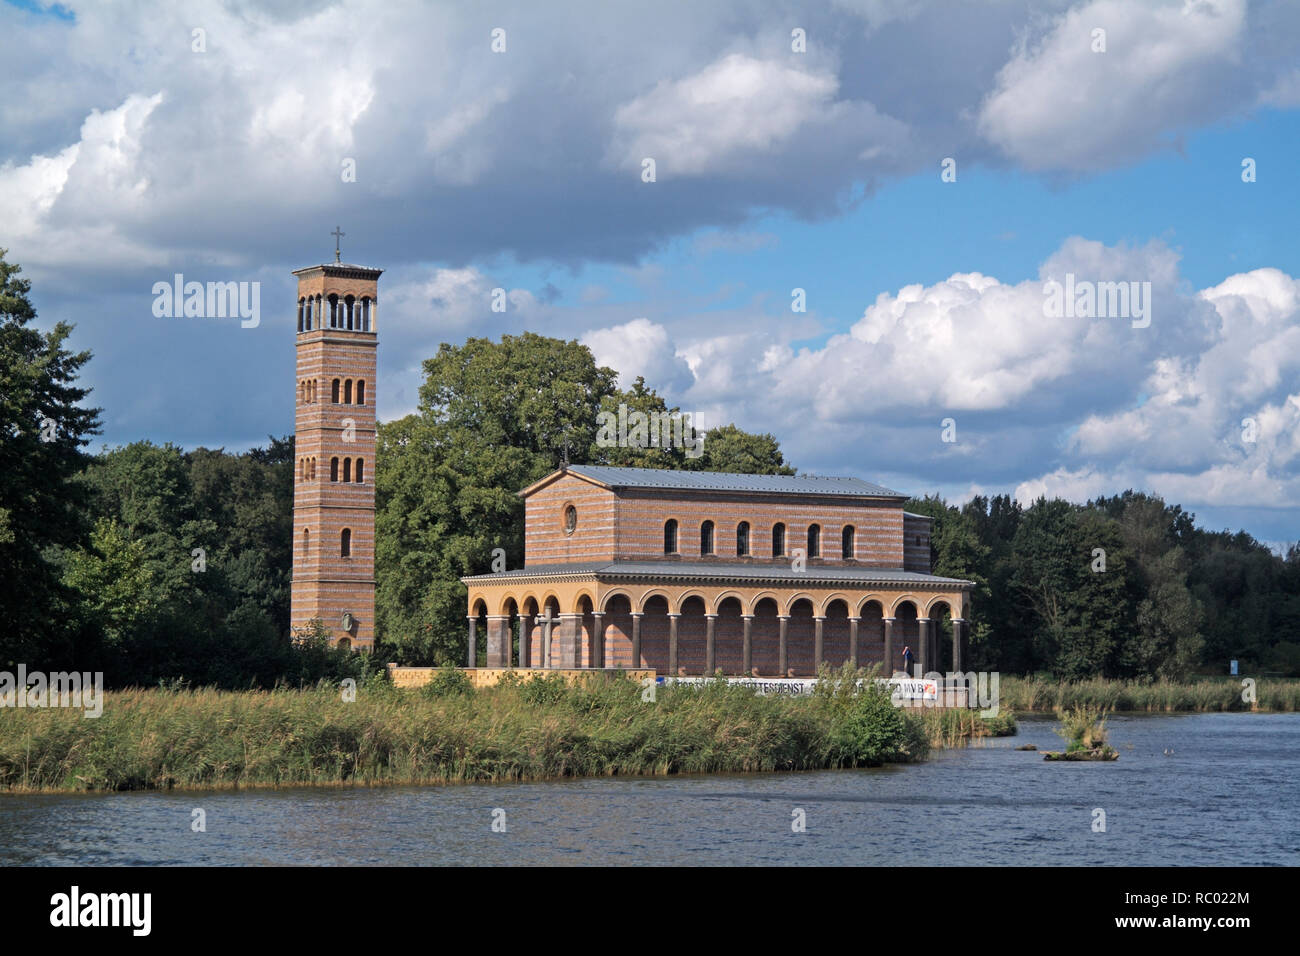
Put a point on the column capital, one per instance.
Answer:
(710, 617)
(674, 616)
(855, 620)
(959, 620)
(637, 614)
(572, 614)
(819, 617)
(922, 620)
(498, 617)
(746, 617)
(889, 620)
(783, 617)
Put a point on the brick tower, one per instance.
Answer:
(334, 488)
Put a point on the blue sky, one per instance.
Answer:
(135, 147)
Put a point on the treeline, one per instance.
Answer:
(1124, 587)
(151, 563)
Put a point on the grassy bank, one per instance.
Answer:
(175, 739)
(1209, 694)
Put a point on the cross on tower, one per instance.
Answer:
(337, 234)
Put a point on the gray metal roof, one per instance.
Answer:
(716, 569)
(730, 481)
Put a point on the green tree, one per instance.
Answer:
(43, 428)
(1080, 610)
(728, 448)
(113, 583)
(640, 398)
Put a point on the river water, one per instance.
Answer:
(1227, 795)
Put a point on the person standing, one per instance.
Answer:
(907, 659)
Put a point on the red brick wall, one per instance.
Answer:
(545, 541)
(641, 516)
(629, 525)
(916, 543)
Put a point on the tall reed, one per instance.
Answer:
(205, 738)
(1206, 694)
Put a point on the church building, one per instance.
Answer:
(690, 573)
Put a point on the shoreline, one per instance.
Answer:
(173, 740)
(182, 740)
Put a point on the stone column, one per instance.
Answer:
(749, 643)
(473, 641)
(546, 622)
(597, 653)
(958, 641)
(569, 650)
(819, 643)
(672, 644)
(710, 646)
(524, 627)
(636, 640)
(783, 663)
(889, 646)
(498, 641)
(853, 640)
(923, 644)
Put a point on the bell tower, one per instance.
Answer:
(334, 429)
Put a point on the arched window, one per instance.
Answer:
(347, 392)
(814, 541)
(778, 540)
(349, 301)
(846, 543)
(706, 538)
(361, 391)
(312, 469)
(742, 539)
(334, 312)
(345, 543)
(334, 392)
(365, 314)
(334, 469)
(307, 315)
(306, 544)
(302, 303)
(345, 644)
(670, 536)
(302, 469)
(347, 469)
(320, 312)
(361, 467)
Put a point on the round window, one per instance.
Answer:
(570, 519)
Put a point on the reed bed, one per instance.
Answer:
(1207, 694)
(162, 739)
(955, 728)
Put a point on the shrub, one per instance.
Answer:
(1082, 728)
(449, 681)
(873, 731)
(548, 689)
